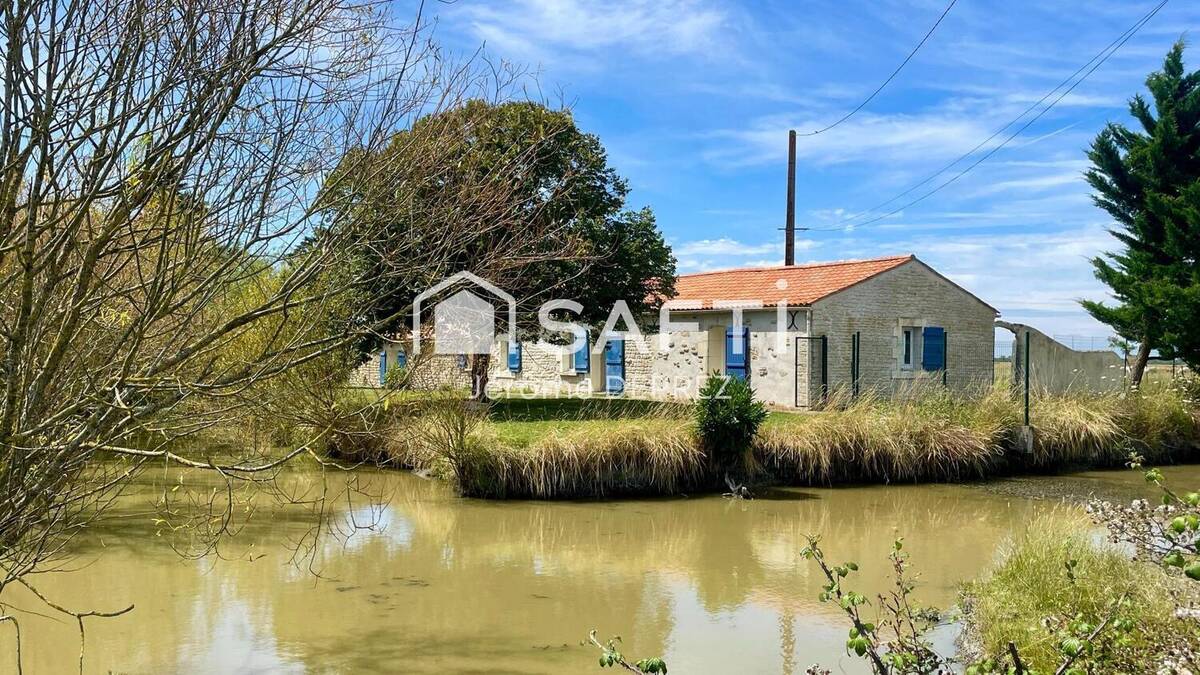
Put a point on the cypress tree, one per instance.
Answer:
(1148, 180)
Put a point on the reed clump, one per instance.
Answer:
(567, 449)
(630, 458)
(932, 434)
(564, 449)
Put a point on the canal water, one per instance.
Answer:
(442, 584)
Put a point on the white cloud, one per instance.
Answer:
(543, 29)
(1036, 278)
(724, 246)
(900, 138)
(1033, 183)
(705, 255)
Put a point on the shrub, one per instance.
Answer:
(397, 378)
(361, 425)
(727, 420)
(1161, 421)
(1054, 579)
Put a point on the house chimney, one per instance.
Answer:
(789, 247)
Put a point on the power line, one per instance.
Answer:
(890, 77)
(1095, 62)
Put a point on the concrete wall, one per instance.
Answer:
(912, 295)
(1058, 369)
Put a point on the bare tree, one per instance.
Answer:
(165, 173)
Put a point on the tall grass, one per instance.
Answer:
(649, 457)
(933, 434)
(1031, 583)
(930, 436)
(570, 448)
(560, 449)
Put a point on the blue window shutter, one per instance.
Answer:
(737, 364)
(614, 365)
(382, 367)
(514, 356)
(462, 361)
(582, 355)
(401, 359)
(933, 349)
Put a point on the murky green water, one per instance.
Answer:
(450, 585)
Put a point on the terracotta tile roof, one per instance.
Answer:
(805, 284)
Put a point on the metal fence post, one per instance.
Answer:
(824, 369)
(855, 357)
(946, 358)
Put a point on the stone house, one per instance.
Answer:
(798, 333)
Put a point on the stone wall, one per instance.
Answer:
(912, 295)
(783, 373)
(544, 372)
(693, 355)
(367, 374)
(1058, 369)
(428, 371)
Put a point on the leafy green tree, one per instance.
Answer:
(550, 223)
(1149, 182)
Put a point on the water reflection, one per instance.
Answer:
(452, 585)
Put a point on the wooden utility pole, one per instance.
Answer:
(789, 247)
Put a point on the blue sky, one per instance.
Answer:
(693, 100)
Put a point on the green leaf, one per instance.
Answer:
(1072, 647)
(1193, 571)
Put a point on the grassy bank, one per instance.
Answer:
(559, 448)
(1032, 595)
(584, 459)
(583, 448)
(937, 436)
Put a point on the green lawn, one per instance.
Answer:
(521, 422)
(518, 409)
(778, 419)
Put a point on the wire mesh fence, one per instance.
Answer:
(1079, 343)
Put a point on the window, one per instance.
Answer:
(922, 348)
(582, 355)
(737, 353)
(933, 356)
(514, 356)
(462, 361)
